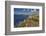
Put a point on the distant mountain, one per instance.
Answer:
(35, 13)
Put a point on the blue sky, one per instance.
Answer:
(23, 10)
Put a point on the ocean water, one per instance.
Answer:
(19, 18)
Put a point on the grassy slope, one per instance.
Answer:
(30, 22)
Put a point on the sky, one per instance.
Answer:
(24, 10)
